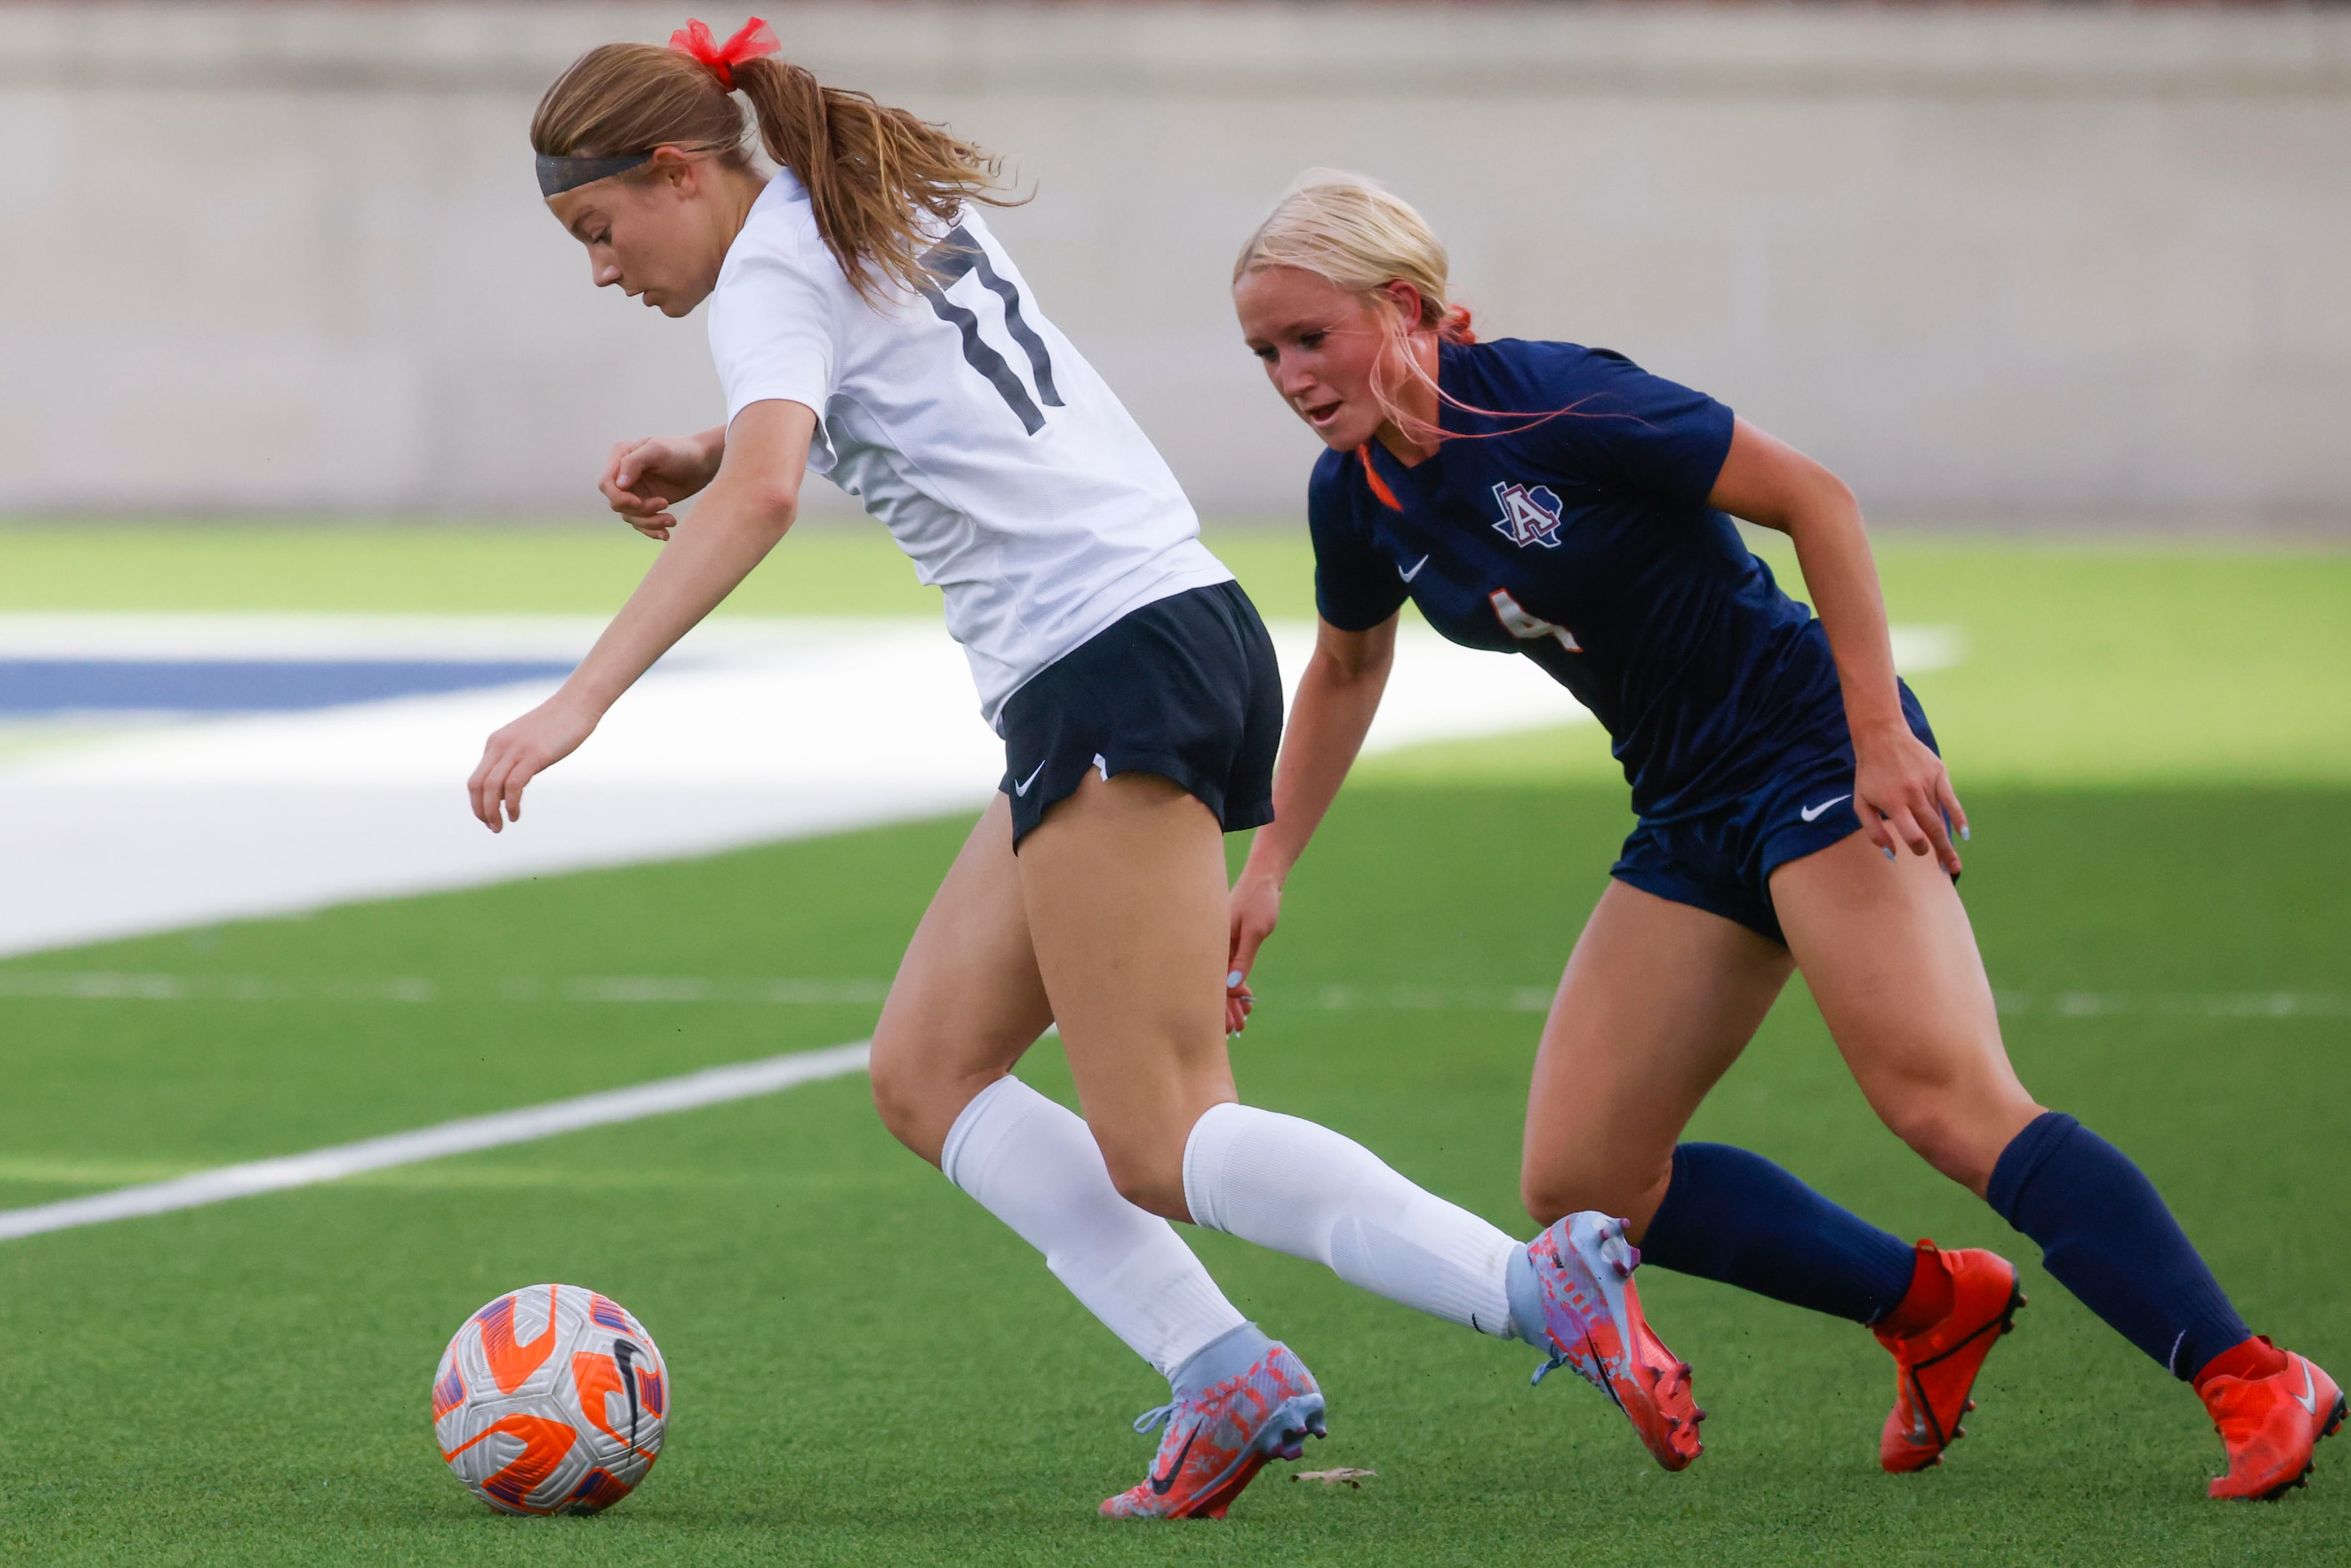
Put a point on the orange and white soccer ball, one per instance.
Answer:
(552, 1399)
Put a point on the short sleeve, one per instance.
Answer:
(1629, 428)
(1356, 587)
(771, 335)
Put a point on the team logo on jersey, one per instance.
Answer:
(1529, 517)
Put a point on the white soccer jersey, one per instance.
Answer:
(995, 455)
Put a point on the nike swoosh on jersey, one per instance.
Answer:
(1408, 576)
(1021, 789)
(1813, 813)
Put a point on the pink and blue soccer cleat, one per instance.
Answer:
(1253, 1401)
(1572, 1294)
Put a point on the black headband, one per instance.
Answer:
(556, 176)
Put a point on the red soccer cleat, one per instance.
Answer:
(2270, 1425)
(1936, 1365)
(1217, 1440)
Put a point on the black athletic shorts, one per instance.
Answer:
(1719, 858)
(1186, 687)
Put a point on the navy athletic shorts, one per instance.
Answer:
(1721, 859)
(1186, 687)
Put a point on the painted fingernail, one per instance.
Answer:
(1889, 854)
(1233, 980)
(1963, 835)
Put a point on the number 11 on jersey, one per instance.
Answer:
(950, 261)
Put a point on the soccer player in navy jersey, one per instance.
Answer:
(1560, 502)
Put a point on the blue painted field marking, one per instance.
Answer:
(51, 686)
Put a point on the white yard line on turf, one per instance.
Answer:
(712, 1086)
(121, 986)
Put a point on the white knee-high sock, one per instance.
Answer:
(1305, 1190)
(1033, 1165)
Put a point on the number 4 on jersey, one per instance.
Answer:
(1525, 627)
(949, 261)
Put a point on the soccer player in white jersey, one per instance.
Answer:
(867, 325)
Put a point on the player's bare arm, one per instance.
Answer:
(1338, 696)
(748, 508)
(1901, 788)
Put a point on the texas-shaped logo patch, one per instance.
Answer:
(1529, 517)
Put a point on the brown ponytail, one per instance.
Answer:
(874, 174)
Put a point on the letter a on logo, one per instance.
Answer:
(1529, 517)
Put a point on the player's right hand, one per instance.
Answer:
(1901, 793)
(1256, 908)
(521, 751)
(645, 477)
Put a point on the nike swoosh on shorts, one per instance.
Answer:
(1021, 789)
(1809, 813)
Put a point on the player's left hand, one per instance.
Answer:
(521, 751)
(1903, 795)
(644, 478)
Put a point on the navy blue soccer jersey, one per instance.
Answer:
(1586, 542)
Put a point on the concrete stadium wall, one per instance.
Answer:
(1991, 264)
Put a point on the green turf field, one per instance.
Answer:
(869, 1370)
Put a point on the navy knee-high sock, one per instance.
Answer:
(1736, 1216)
(2105, 1232)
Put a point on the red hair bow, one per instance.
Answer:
(756, 39)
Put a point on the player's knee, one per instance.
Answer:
(1552, 1188)
(1544, 1205)
(1546, 1194)
(898, 1096)
(1145, 1176)
(1930, 1134)
(1951, 1135)
(1151, 1194)
(915, 1101)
